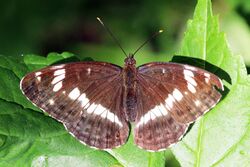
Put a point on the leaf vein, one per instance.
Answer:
(232, 148)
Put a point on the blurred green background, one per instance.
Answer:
(40, 27)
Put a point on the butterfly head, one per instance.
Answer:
(130, 60)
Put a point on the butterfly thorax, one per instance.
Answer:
(129, 87)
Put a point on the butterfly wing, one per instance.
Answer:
(155, 129)
(176, 95)
(76, 95)
(188, 92)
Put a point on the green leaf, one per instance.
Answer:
(240, 41)
(221, 137)
(9, 86)
(244, 4)
(34, 62)
(204, 41)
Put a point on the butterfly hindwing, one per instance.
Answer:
(98, 126)
(155, 129)
(76, 95)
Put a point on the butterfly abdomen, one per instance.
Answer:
(130, 87)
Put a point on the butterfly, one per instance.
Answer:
(96, 101)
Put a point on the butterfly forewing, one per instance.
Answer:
(76, 95)
(187, 92)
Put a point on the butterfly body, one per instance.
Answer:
(130, 87)
(96, 101)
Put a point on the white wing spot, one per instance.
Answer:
(177, 94)
(163, 71)
(163, 110)
(98, 109)
(38, 73)
(189, 68)
(157, 111)
(146, 118)
(89, 70)
(197, 102)
(117, 121)
(83, 99)
(191, 88)
(57, 86)
(111, 116)
(57, 67)
(152, 115)
(91, 108)
(169, 102)
(74, 94)
(104, 115)
(192, 81)
(59, 72)
(51, 102)
(188, 73)
(141, 121)
(58, 78)
(189, 76)
(38, 78)
(207, 77)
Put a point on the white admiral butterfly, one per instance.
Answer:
(96, 101)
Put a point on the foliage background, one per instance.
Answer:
(28, 138)
(41, 27)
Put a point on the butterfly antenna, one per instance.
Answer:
(112, 35)
(153, 36)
